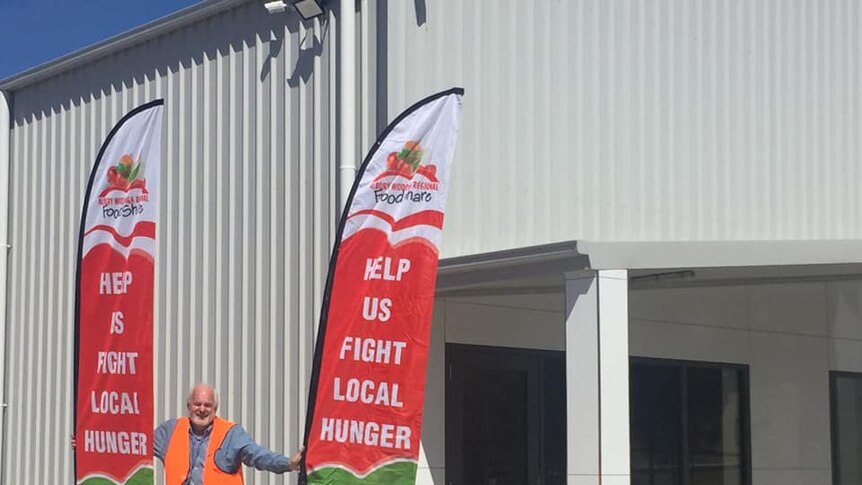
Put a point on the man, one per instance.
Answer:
(203, 449)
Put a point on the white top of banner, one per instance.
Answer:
(123, 206)
(403, 188)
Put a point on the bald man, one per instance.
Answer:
(203, 449)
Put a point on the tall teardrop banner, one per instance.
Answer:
(114, 305)
(364, 416)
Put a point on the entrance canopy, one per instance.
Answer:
(652, 263)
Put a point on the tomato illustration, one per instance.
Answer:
(392, 161)
(115, 178)
(405, 171)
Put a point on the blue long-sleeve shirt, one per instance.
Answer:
(237, 447)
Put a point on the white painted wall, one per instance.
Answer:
(518, 321)
(790, 335)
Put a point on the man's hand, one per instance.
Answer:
(296, 459)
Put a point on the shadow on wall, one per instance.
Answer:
(232, 35)
(382, 61)
(421, 12)
(309, 47)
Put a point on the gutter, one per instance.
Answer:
(5, 247)
(458, 273)
(670, 255)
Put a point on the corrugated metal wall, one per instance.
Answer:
(584, 119)
(246, 226)
(638, 120)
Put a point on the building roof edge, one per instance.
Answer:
(117, 43)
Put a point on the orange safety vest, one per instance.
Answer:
(177, 456)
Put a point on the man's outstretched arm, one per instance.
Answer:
(239, 446)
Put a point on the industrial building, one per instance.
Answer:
(652, 256)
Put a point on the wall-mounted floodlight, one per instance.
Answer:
(307, 9)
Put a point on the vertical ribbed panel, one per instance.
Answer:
(244, 237)
(637, 120)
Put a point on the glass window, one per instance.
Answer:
(688, 423)
(846, 404)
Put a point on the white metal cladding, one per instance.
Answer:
(244, 237)
(616, 120)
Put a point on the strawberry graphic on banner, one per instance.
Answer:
(114, 305)
(364, 417)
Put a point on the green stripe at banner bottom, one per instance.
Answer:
(144, 476)
(401, 473)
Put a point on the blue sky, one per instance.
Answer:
(33, 32)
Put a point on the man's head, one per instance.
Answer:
(202, 405)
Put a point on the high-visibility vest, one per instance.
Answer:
(177, 456)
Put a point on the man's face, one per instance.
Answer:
(202, 407)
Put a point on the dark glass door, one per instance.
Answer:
(505, 416)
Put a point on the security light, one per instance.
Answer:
(276, 6)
